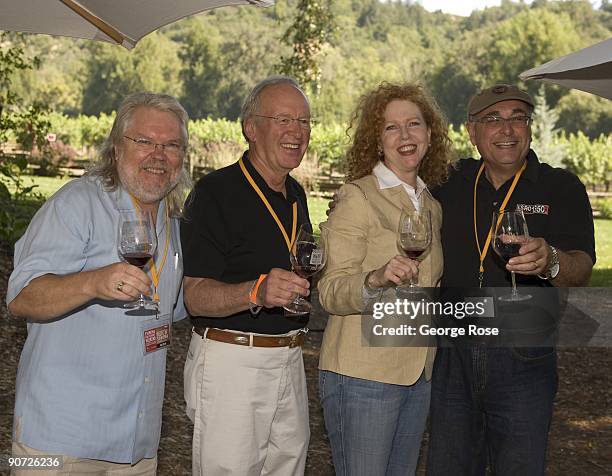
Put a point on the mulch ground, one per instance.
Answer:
(580, 438)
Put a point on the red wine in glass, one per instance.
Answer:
(412, 252)
(509, 231)
(307, 258)
(305, 271)
(302, 259)
(414, 237)
(137, 259)
(506, 250)
(137, 244)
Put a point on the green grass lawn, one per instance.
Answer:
(316, 209)
(602, 274)
(45, 185)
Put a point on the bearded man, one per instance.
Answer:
(90, 382)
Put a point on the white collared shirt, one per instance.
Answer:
(387, 179)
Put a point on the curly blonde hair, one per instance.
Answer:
(367, 124)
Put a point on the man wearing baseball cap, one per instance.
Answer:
(493, 405)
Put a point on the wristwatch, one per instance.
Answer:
(553, 269)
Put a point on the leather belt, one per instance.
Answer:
(240, 338)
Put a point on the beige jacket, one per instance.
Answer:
(360, 236)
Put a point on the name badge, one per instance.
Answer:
(156, 333)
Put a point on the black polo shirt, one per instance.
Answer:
(555, 204)
(229, 235)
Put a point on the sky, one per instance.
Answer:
(464, 7)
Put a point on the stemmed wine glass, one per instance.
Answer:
(307, 258)
(414, 237)
(509, 233)
(137, 244)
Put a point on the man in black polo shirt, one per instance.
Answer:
(496, 403)
(245, 385)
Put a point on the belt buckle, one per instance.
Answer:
(293, 340)
(242, 340)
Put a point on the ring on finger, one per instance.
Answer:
(119, 286)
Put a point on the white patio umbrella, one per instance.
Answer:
(123, 22)
(589, 69)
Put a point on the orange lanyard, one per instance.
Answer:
(155, 274)
(271, 210)
(484, 251)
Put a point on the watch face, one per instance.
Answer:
(554, 270)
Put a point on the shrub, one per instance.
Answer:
(50, 158)
(18, 203)
(605, 209)
(462, 146)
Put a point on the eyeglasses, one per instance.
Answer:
(145, 145)
(284, 121)
(496, 122)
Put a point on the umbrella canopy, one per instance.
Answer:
(123, 22)
(589, 69)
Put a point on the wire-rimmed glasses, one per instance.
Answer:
(497, 122)
(284, 120)
(147, 146)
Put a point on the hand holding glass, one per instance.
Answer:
(509, 233)
(137, 244)
(414, 237)
(307, 257)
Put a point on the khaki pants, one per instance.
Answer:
(81, 466)
(249, 406)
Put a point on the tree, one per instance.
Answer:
(499, 53)
(201, 71)
(218, 70)
(308, 36)
(59, 77)
(26, 123)
(579, 111)
(545, 134)
(113, 72)
(453, 87)
(530, 38)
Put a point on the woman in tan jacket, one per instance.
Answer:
(375, 399)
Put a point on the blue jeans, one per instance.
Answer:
(374, 428)
(491, 405)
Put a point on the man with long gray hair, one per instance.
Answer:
(90, 381)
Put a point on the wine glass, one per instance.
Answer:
(307, 258)
(137, 244)
(509, 232)
(414, 237)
